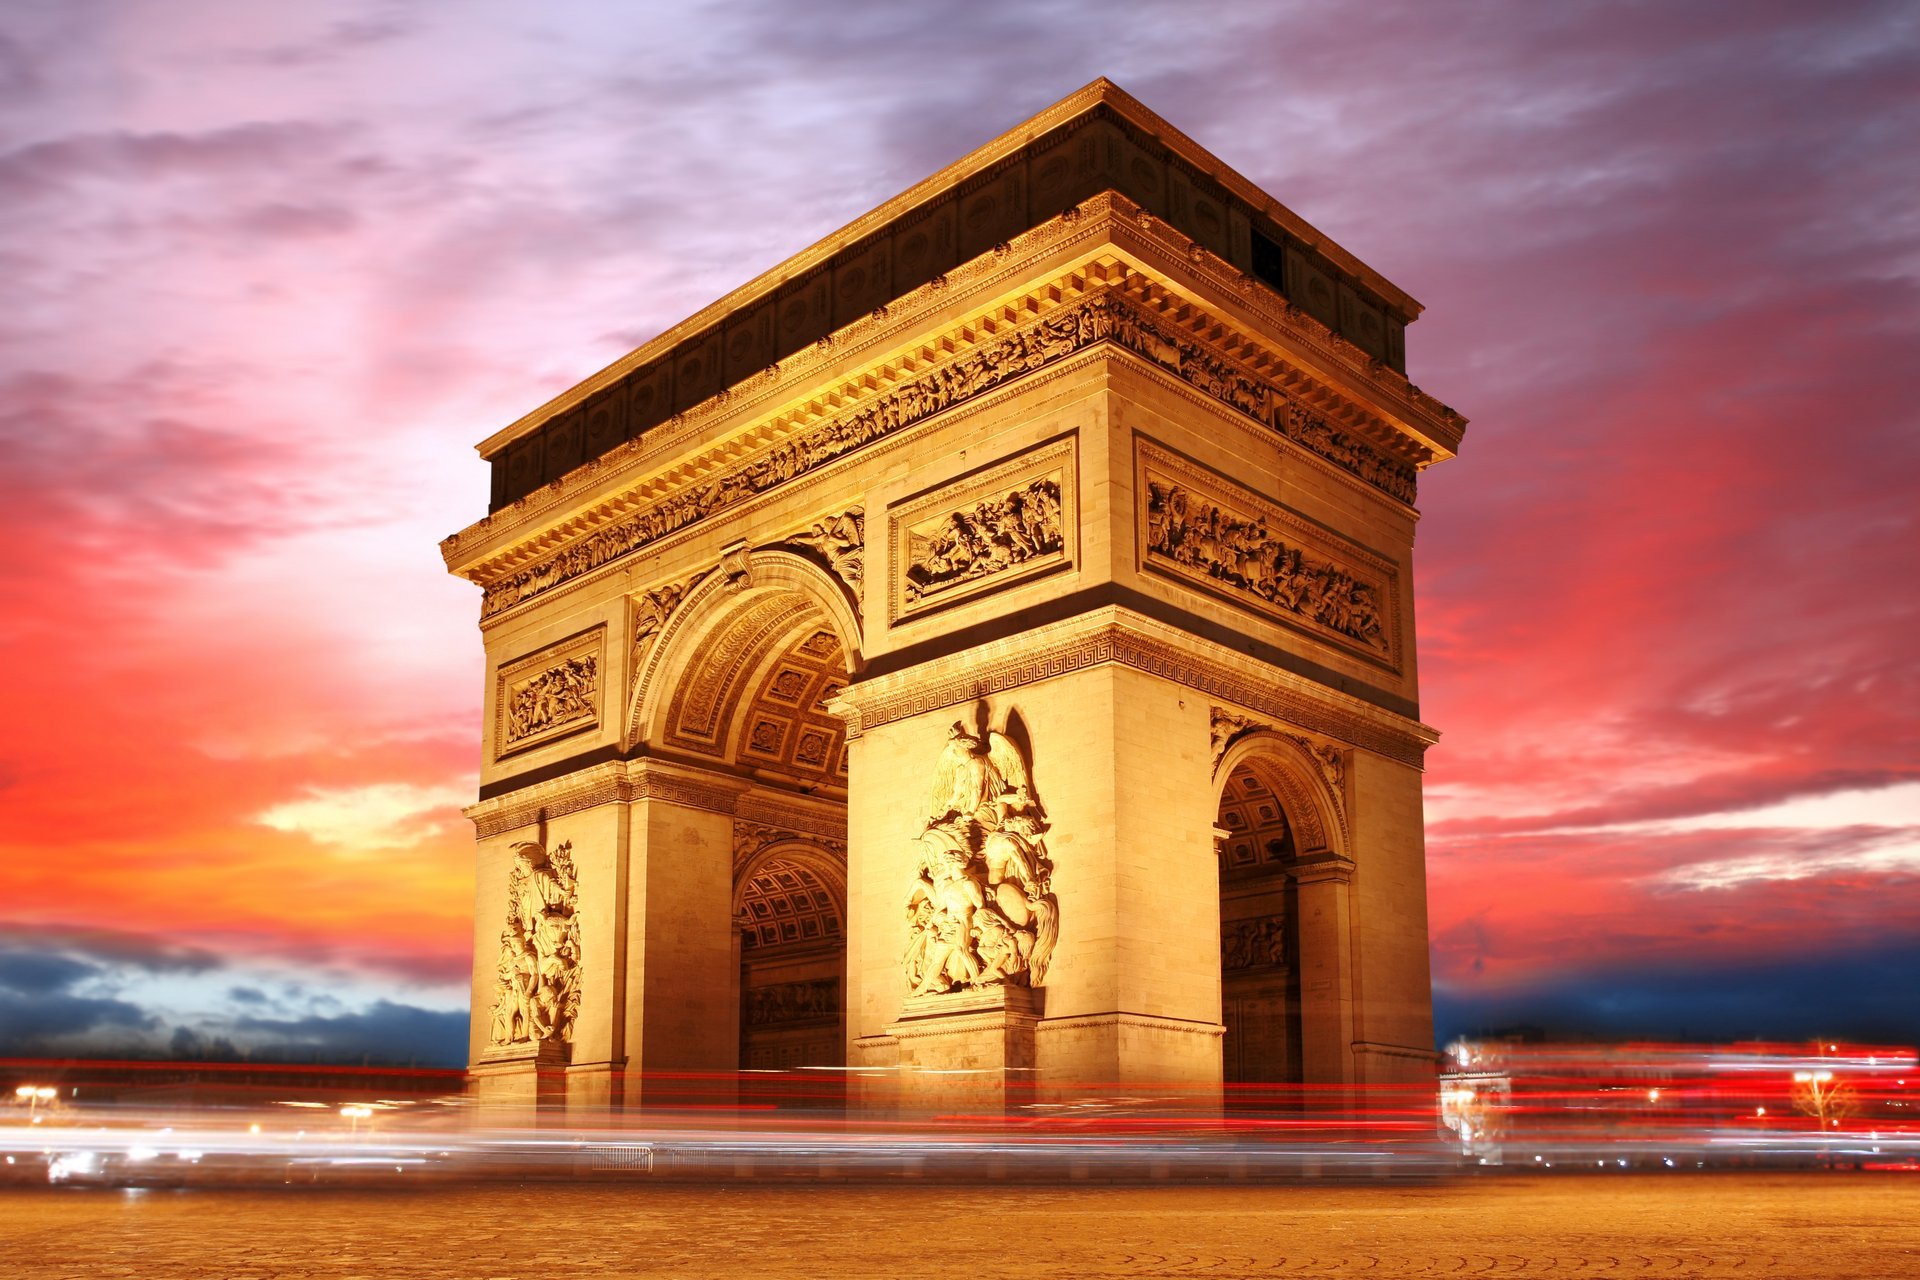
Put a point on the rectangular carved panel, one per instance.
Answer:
(551, 693)
(1010, 522)
(1207, 532)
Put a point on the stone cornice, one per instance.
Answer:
(861, 362)
(996, 357)
(618, 782)
(1100, 94)
(1120, 636)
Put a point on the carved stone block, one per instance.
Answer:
(537, 980)
(1013, 521)
(1207, 532)
(551, 693)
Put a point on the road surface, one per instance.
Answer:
(1800, 1225)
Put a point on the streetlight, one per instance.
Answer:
(356, 1115)
(35, 1095)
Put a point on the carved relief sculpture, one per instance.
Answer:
(840, 541)
(555, 697)
(651, 609)
(549, 694)
(750, 838)
(793, 1002)
(1258, 554)
(537, 985)
(985, 531)
(1224, 727)
(985, 539)
(982, 912)
(1253, 944)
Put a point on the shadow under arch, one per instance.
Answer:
(1284, 856)
(1289, 770)
(719, 601)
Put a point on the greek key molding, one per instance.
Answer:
(1033, 657)
(613, 783)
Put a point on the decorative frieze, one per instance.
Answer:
(1122, 641)
(1010, 522)
(982, 911)
(549, 694)
(537, 973)
(786, 1002)
(1203, 530)
(991, 364)
(651, 609)
(841, 541)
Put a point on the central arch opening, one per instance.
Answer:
(1259, 934)
(793, 949)
(749, 700)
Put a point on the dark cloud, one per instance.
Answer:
(386, 1032)
(1862, 996)
(37, 974)
(100, 949)
(53, 1022)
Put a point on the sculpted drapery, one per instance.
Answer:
(537, 982)
(981, 912)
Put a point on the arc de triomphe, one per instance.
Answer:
(978, 653)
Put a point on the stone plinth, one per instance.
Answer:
(521, 1085)
(960, 1049)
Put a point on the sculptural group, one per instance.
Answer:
(982, 911)
(987, 537)
(1196, 534)
(537, 988)
(554, 697)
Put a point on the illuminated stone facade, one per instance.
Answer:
(980, 650)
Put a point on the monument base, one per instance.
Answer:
(517, 1085)
(969, 1050)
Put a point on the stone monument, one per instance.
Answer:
(978, 652)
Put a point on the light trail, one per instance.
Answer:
(1539, 1108)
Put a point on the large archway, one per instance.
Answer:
(1285, 998)
(741, 687)
(1259, 933)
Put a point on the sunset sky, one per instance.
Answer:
(271, 270)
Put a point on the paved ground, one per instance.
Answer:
(1841, 1225)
